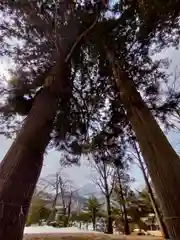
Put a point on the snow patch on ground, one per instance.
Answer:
(49, 229)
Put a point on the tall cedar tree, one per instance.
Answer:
(132, 70)
(94, 209)
(40, 38)
(135, 72)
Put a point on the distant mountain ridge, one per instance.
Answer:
(89, 189)
(79, 198)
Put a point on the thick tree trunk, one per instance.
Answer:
(109, 219)
(162, 161)
(20, 168)
(151, 196)
(125, 214)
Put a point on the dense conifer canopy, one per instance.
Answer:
(30, 33)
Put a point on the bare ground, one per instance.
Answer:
(85, 236)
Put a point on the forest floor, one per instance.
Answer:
(85, 236)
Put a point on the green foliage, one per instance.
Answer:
(94, 208)
(160, 19)
(93, 204)
(37, 211)
(138, 206)
(90, 110)
(63, 221)
(145, 200)
(34, 61)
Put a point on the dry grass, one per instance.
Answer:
(85, 236)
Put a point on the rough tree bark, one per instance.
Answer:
(162, 161)
(151, 196)
(125, 214)
(20, 168)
